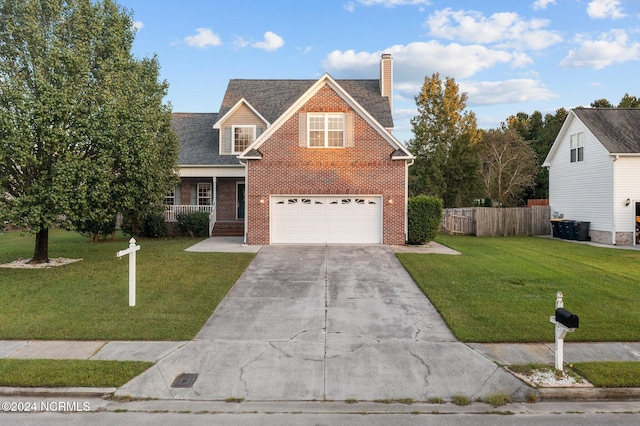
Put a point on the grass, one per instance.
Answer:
(460, 400)
(65, 373)
(177, 291)
(498, 399)
(610, 374)
(504, 289)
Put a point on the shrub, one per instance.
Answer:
(153, 226)
(424, 215)
(194, 224)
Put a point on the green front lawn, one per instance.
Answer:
(504, 289)
(610, 374)
(177, 291)
(65, 373)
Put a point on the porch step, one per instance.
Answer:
(228, 229)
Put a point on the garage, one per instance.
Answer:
(323, 219)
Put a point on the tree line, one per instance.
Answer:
(464, 165)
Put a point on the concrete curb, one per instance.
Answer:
(584, 394)
(546, 394)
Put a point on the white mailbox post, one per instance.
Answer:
(565, 322)
(131, 251)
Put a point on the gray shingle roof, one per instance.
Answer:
(271, 98)
(198, 140)
(618, 129)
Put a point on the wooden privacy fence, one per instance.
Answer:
(497, 222)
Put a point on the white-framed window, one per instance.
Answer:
(243, 136)
(326, 130)
(170, 199)
(204, 194)
(577, 147)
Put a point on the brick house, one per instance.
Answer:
(297, 161)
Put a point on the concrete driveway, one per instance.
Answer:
(325, 323)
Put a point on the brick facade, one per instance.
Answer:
(226, 204)
(365, 169)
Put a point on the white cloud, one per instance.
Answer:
(350, 7)
(240, 42)
(612, 47)
(138, 25)
(605, 9)
(271, 42)
(502, 92)
(204, 38)
(505, 29)
(415, 60)
(542, 4)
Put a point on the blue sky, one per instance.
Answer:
(509, 56)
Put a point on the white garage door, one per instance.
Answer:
(323, 219)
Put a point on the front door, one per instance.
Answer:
(240, 200)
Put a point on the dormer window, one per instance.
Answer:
(243, 136)
(326, 130)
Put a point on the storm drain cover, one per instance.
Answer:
(184, 380)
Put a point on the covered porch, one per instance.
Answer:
(223, 198)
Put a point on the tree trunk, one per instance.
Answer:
(41, 253)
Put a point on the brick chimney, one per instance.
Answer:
(386, 78)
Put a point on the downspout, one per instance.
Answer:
(246, 202)
(613, 203)
(406, 200)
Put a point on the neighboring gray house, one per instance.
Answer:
(594, 172)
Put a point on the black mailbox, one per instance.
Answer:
(566, 318)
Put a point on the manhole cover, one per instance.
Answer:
(185, 380)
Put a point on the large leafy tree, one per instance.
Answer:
(83, 130)
(445, 144)
(508, 166)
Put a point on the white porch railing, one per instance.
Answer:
(172, 212)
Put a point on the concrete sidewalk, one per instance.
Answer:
(153, 351)
(94, 350)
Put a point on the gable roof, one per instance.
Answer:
(363, 112)
(198, 140)
(234, 108)
(618, 129)
(271, 98)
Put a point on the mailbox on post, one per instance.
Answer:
(566, 318)
(565, 322)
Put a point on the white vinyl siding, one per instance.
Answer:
(626, 178)
(235, 130)
(582, 190)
